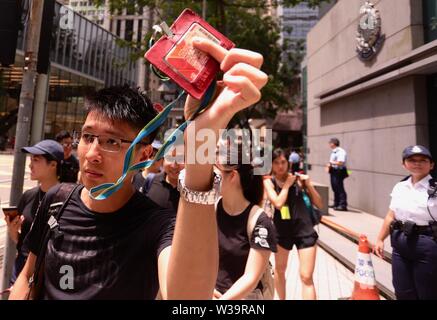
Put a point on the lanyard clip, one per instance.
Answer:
(162, 28)
(165, 28)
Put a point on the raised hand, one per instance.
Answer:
(289, 181)
(239, 89)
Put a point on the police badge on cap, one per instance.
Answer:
(414, 151)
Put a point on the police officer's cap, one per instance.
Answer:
(416, 150)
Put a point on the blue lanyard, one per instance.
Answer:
(105, 190)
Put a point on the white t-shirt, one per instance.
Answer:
(410, 202)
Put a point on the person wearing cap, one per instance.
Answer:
(411, 224)
(45, 160)
(70, 164)
(338, 172)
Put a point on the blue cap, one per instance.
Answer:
(50, 147)
(416, 150)
(156, 144)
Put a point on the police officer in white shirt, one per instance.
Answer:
(411, 223)
(338, 171)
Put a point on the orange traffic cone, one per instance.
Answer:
(365, 282)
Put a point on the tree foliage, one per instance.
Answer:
(248, 24)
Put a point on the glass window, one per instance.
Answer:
(430, 20)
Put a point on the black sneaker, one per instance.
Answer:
(340, 208)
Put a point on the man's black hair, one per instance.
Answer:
(125, 104)
(63, 134)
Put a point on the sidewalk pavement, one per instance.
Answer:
(332, 280)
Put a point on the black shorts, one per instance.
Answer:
(299, 242)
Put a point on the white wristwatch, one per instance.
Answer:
(199, 197)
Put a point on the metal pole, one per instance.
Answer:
(23, 124)
(39, 108)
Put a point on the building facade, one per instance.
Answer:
(135, 25)
(297, 21)
(89, 10)
(376, 107)
(83, 57)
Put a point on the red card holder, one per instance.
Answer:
(190, 68)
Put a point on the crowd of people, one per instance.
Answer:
(191, 231)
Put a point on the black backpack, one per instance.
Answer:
(57, 205)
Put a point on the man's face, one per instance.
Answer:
(97, 165)
(67, 144)
(332, 145)
(171, 167)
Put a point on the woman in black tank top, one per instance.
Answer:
(243, 257)
(293, 223)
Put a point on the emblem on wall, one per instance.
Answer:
(369, 37)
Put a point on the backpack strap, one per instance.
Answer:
(254, 214)
(58, 203)
(216, 203)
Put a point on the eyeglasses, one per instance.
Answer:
(106, 143)
(67, 144)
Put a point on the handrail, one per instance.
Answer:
(353, 236)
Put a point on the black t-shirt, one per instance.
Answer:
(234, 244)
(112, 256)
(28, 206)
(69, 169)
(158, 190)
(139, 182)
(300, 225)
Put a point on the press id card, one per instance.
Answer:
(174, 55)
(285, 213)
(187, 60)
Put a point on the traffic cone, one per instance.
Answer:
(365, 282)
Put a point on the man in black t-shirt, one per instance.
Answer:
(70, 164)
(119, 248)
(162, 188)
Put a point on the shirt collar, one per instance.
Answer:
(423, 183)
